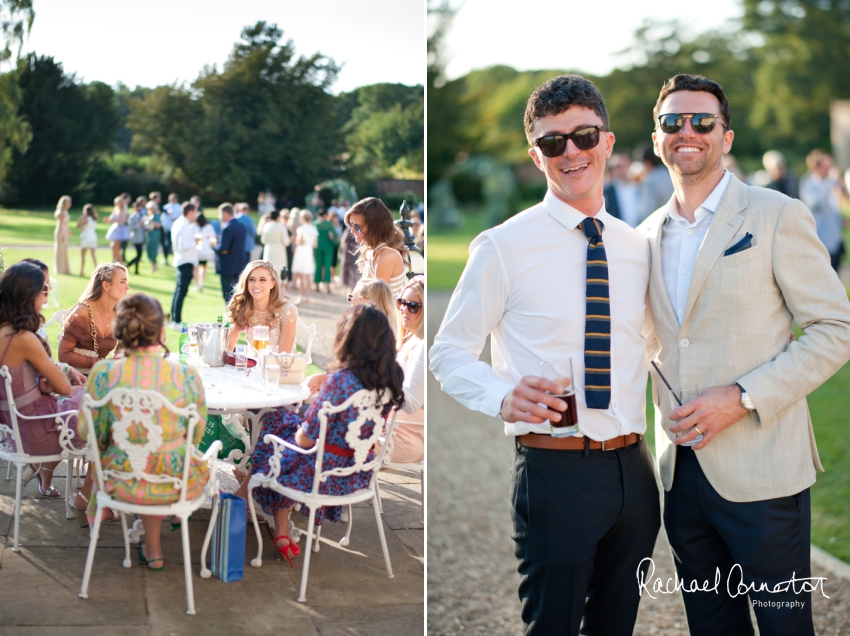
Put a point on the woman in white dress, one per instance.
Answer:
(87, 225)
(206, 232)
(275, 237)
(303, 263)
(118, 232)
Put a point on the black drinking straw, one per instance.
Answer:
(675, 397)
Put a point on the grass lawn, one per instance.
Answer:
(829, 404)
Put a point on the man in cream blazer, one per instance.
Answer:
(733, 267)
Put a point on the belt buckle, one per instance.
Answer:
(603, 446)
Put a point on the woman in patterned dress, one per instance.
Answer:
(365, 359)
(139, 327)
(260, 301)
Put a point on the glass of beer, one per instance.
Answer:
(561, 371)
(260, 339)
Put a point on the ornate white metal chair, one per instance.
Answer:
(139, 407)
(58, 316)
(304, 335)
(411, 467)
(369, 405)
(20, 459)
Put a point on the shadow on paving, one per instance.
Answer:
(472, 577)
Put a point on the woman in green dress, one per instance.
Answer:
(153, 236)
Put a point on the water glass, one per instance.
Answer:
(272, 373)
(241, 356)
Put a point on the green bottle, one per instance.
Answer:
(219, 319)
(183, 345)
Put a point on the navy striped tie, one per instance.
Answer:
(597, 326)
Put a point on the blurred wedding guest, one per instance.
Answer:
(206, 254)
(139, 327)
(118, 232)
(171, 211)
(87, 225)
(364, 359)
(819, 190)
(61, 235)
(137, 233)
(196, 201)
(326, 245)
(86, 335)
(348, 250)
(303, 262)
(35, 377)
(730, 163)
(243, 211)
(154, 232)
(621, 193)
(781, 179)
(260, 300)
(275, 238)
(337, 225)
(185, 260)
(293, 220)
(656, 187)
(377, 292)
(381, 244)
(230, 250)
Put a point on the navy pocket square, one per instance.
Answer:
(744, 244)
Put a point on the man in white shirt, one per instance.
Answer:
(185, 259)
(733, 267)
(585, 509)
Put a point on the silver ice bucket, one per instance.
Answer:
(212, 343)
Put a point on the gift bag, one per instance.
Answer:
(227, 432)
(228, 539)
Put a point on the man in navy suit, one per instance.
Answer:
(230, 251)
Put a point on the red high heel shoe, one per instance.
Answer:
(284, 550)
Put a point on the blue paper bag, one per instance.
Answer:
(228, 539)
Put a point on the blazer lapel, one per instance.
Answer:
(657, 288)
(727, 220)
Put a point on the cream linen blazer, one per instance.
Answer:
(736, 328)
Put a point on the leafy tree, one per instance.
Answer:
(70, 124)
(16, 17)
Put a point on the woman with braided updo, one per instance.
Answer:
(139, 327)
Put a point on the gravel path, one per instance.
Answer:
(472, 575)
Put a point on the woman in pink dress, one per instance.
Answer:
(39, 386)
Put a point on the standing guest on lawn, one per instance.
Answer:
(242, 215)
(292, 221)
(170, 213)
(87, 225)
(205, 251)
(185, 260)
(154, 232)
(275, 237)
(303, 261)
(564, 279)
(118, 232)
(137, 233)
(382, 249)
(733, 268)
(350, 273)
(230, 251)
(86, 335)
(327, 243)
(61, 235)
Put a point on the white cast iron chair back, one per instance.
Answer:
(138, 407)
(369, 406)
(20, 459)
(406, 466)
(304, 335)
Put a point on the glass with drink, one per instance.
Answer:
(260, 338)
(679, 394)
(561, 371)
(241, 355)
(272, 373)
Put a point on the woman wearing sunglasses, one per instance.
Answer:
(381, 244)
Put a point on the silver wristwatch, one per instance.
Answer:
(746, 400)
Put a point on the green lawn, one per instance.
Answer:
(829, 404)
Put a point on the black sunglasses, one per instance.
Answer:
(584, 138)
(412, 306)
(701, 122)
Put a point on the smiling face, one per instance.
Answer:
(576, 177)
(410, 321)
(691, 156)
(358, 227)
(260, 283)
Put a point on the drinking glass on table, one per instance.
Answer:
(272, 373)
(241, 355)
(679, 394)
(260, 339)
(561, 371)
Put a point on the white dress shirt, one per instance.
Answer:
(183, 243)
(525, 284)
(681, 242)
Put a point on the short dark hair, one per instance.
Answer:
(188, 207)
(559, 94)
(226, 208)
(684, 82)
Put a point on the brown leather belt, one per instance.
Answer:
(533, 440)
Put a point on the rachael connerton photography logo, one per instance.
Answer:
(735, 584)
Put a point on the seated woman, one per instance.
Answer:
(260, 301)
(377, 292)
(365, 359)
(381, 243)
(35, 378)
(87, 335)
(139, 327)
(409, 433)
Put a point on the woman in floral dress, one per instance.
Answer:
(365, 359)
(139, 327)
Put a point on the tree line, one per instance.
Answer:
(265, 120)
